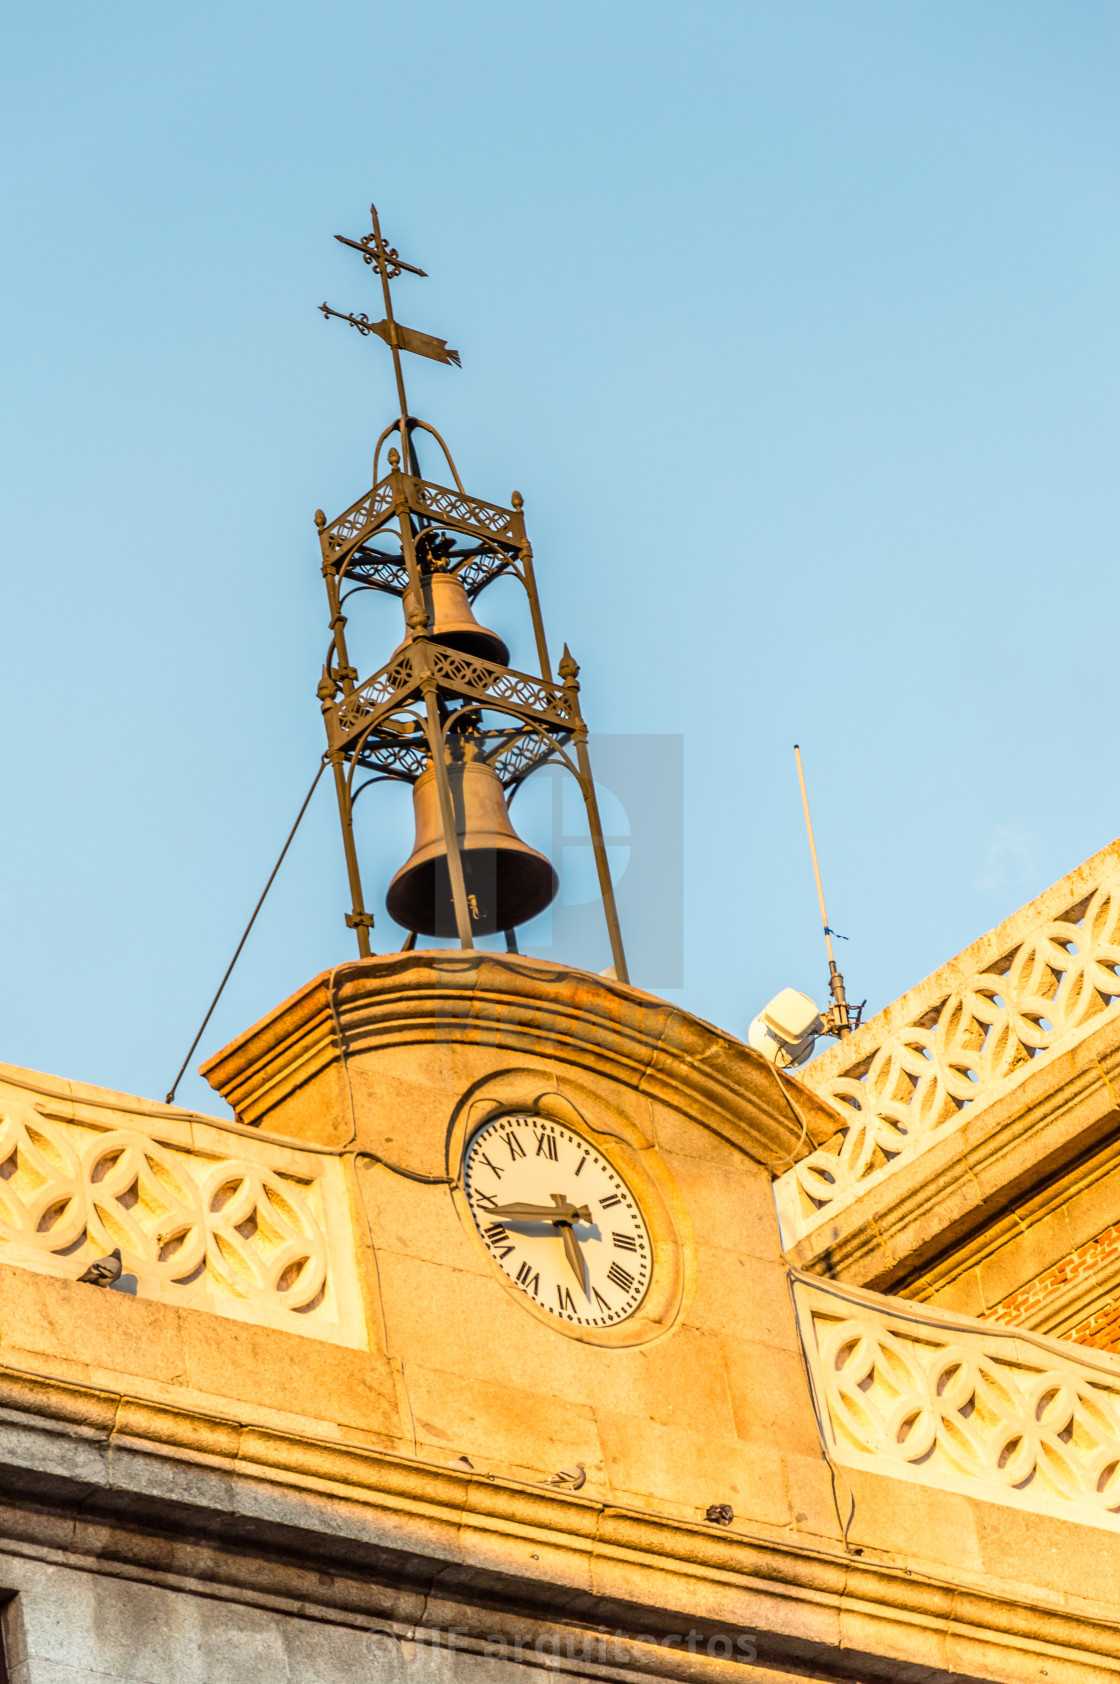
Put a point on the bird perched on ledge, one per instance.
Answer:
(570, 1478)
(105, 1270)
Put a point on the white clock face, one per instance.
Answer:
(558, 1219)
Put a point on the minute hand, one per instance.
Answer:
(564, 1213)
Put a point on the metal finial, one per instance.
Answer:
(320, 519)
(517, 500)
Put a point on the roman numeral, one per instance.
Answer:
(489, 1165)
(618, 1275)
(582, 1161)
(516, 1150)
(610, 1201)
(625, 1242)
(498, 1237)
(529, 1279)
(565, 1298)
(546, 1144)
(601, 1301)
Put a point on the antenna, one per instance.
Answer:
(838, 1018)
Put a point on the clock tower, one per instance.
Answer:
(519, 1323)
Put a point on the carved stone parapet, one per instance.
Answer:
(389, 1024)
(973, 1034)
(920, 1395)
(205, 1215)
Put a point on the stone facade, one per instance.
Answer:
(316, 1433)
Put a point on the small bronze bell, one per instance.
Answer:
(450, 620)
(507, 881)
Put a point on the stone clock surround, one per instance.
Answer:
(399, 1060)
(439, 1020)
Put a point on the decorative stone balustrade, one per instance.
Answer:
(950, 1402)
(1020, 996)
(204, 1214)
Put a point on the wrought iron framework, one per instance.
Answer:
(429, 701)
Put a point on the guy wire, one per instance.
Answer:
(248, 927)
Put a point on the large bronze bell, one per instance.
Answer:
(450, 620)
(507, 881)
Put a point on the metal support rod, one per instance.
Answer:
(408, 449)
(835, 980)
(411, 567)
(359, 919)
(534, 603)
(343, 669)
(599, 847)
(447, 813)
(379, 247)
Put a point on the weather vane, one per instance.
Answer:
(389, 263)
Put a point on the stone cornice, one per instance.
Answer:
(547, 1012)
(453, 1543)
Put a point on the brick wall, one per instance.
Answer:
(1102, 1326)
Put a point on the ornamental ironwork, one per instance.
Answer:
(446, 697)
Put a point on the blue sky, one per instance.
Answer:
(795, 324)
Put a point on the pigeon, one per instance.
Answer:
(720, 1514)
(570, 1478)
(105, 1270)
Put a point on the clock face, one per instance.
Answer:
(558, 1219)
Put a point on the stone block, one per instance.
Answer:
(964, 1295)
(1027, 1549)
(404, 1109)
(770, 1396)
(417, 1220)
(1092, 1209)
(258, 1365)
(501, 1428)
(1032, 1251)
(732, 1208)
(443, 1317)
(679, 1382)
(650, 1464)
(476, 1329)
(912, 1523)
(812, 1499)
(744, 1296)
(109, 1332)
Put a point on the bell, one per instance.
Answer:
(450, 620)
(507, 882)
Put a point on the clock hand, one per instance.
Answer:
(560, 1211)
(574, 1256)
